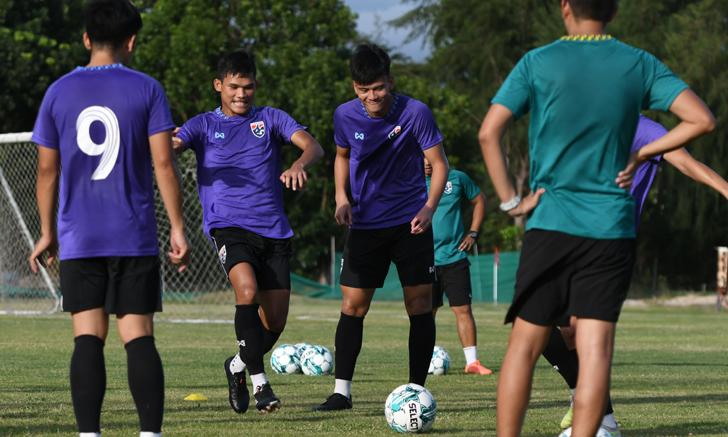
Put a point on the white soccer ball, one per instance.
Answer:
(284, 360)
(317, 360)
(440, 362)
(410, 408)
(600, 433)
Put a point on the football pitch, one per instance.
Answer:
(670, 377)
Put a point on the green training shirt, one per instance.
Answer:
(447, 223)
(584, 94)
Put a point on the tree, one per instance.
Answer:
(40, 41)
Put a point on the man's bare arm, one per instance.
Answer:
(696, 170)
(438, 180)
(169, 182)
(341, 179)
(494, 127)
(478, 215)
(312, 153)
(47, 195)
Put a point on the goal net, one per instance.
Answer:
(200, 293)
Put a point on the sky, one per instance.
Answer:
(372, 16)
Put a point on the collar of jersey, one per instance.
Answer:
(100, 67)
(220, 114)
(391, 111)
(586, 37)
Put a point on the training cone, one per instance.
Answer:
(195, 397)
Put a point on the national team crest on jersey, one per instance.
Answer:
(395, 132)
(258, 128)
(448, 188)
(222, 254)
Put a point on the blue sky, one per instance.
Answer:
(372, 16)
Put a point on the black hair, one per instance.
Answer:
(368, 64)
(598, 10)
(111, 22)
(241, 62)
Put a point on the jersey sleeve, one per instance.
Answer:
(647, 132)
(425, 129)
(45, 132)
(339, 135)
(160, 118)
(515, 93)
(192, 132)
(283, 125)
(662, 86)
(470, 190)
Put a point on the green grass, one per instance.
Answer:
(670, 377)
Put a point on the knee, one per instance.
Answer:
(277, 324)
(418, 306)
(463, 312)
(246, 295)
(354, 308)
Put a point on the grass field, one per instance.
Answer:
(670, 377)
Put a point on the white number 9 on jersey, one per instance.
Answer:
(109, 149)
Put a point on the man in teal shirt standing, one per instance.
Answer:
(583, 93)
(451, 258)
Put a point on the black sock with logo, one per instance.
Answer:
(250, 333)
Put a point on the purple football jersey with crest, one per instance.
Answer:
(385, 169)
(647, 132)
(239, 169)
(100, 120)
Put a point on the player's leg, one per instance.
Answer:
(595, 343)
(365, 264)
(598, 290)
(525, 345)
(274, 306)
(88, 369)
(418, 302)
(459, 292)
(275, 289)
(414, 256)
(144, 370)
(134, 295)
(83, 284)
(557, 353)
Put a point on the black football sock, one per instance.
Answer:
(88, 382)
(610, 410)
(421, 343)
(559, 355)
(269, 339)
(146, 382)
(249, 330)
(349, 335)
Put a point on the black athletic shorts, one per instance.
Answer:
(454, 281)
(270, 257)
(562, 275)
(119, 285)
(368, 253)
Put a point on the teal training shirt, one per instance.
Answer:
(584, 94)
(447, 223)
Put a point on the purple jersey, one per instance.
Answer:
(100, 120)
(239, 169)
(647, 132)
(386, 177)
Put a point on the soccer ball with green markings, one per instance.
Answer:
(317, 360)
(440, 362)
(285, 361)
(410, 408)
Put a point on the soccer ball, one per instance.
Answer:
(301, 348)
(284, 360)
(410, 408)
(600, 433)
(440, 362)
(317, 360)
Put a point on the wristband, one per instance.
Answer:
(511, 204)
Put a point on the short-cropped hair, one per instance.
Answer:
(111, 22)
(368, 64)
(598, 10)
(241, 62)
